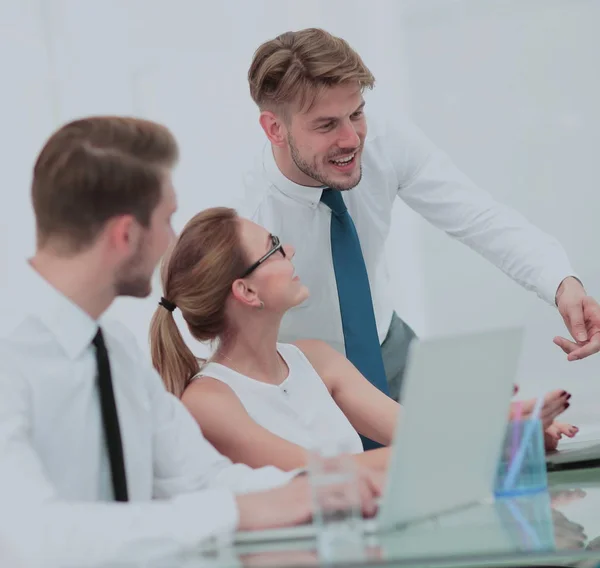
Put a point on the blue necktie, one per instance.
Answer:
(354, 292)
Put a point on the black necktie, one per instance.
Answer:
(110, 419)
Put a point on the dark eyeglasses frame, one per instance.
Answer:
(277, 246)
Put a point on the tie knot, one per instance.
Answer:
(334, 200)
(98, 340)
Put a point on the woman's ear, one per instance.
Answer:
(245, 293)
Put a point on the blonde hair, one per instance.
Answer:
(96, 168)
(296, 67)
(197, 276)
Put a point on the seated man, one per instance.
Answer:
(84, 420)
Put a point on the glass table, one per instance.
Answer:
(560, 527)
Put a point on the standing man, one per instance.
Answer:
(327, 185)
(99, 465)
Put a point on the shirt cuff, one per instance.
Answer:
(208, 517)
(550, 281)
(299, 471)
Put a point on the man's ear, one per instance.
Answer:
(123, 234)
(245, 293)
(274, 127)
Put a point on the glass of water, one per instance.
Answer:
(337, 511)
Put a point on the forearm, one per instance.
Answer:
(532, 258)
(570, 286)
(371, 413)
(103, 534)
(375, 459)
(243, 479)
(450, 201)
(281, 507)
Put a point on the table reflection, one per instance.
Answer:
(529, 526)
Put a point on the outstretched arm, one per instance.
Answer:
(431, 184)
(372, 413)
(233, 432)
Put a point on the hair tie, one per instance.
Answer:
(170, 306)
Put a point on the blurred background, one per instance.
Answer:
(508, 88)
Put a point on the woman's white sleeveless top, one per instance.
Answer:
(300, 409)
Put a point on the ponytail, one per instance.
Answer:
(171, 357)
(197, 276)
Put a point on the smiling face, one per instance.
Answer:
(273, 280)
(325, 144)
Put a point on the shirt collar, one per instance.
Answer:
(72, 328)
(306, 195)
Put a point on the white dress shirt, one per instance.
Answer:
(54, 468)
(397, 161)
(300, 409)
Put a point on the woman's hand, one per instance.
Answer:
(555, 432)
(555, 403)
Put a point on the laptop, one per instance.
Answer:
(454, 388)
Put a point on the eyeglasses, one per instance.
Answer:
(277, 246)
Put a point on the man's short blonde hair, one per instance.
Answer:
(295, 67)
(95, 168)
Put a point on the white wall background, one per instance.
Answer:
(509, 88)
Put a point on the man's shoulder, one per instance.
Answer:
(262, 202)
(397, 146)
(120, 339)
(18, 311)
(256, 201)
(20, 339)
(10, 323)
(123, 345)
(384, 134)
(21, 332)
(256, 187)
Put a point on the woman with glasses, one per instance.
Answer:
(257, 400)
